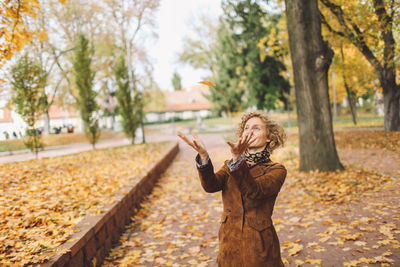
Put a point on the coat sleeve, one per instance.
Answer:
(265, 186)
(210, 181)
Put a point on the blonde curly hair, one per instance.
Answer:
(275, 132)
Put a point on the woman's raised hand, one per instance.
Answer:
(197, 145)
(240, 147)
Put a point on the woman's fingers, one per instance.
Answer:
(196, 145)
(248, 137)
(187, 140)
(252, 140)
(230, 144)
(195, 135)
(197, 141)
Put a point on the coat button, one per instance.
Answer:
(228, 209)
(241, 210)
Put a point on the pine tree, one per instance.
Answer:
(227, 94)
(84, 76)
(176, 81)
(262, 79)
(130, 106)
(28, 82)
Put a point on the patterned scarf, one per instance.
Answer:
(258, 157)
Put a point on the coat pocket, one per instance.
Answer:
(259, 224)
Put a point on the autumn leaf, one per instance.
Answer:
(42, 36)
(208, 83)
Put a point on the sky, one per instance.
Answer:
(174, 18)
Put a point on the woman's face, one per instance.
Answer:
(259, 129)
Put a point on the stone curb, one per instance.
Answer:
(90, 245)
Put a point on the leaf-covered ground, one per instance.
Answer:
(368, 139)
(42, 200)
(347, 218)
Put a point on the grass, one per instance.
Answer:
(56, 140)
(211, 125)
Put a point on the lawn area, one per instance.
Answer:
(42, 200)
(210, 125)
(57, 140)
(364, 120)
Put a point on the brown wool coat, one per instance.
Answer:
(247, 237)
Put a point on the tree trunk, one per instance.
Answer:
(391, 98)
(311, 58)
(46, 122)
(350, 97)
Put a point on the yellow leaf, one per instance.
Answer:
(208, 83)
(314, 261)
(193, 262)
(42, 36)
(299, 262)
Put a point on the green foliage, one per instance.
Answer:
(84, 76)
(244, 75)
(265, 86)
(176, 81)
(130, 106)
(228, 92)
(28, 82)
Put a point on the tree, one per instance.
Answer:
(84, 76)
(28, 82)
(264, 85)
(375, 39)
(14, 34)
(311, 58)
(227, 94)
(177, 81)
(130, 105)
(198, 49)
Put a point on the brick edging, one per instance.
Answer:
(97, 233)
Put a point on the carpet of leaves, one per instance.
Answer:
(42, 200)
(368, 139)
(176, 226)
(342, 218)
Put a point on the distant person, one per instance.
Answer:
(14, 134)
(250, 183)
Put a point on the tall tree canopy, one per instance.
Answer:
(244, 75)
(264, 84)
(84, 76)
(227, 95)
(29, 98)
(129, 100)
(14, 26)
(176, 81)
(375, 38)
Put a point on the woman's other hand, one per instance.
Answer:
(197, 145)
(240, 147)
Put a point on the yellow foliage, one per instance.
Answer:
(359, 73)
(14, 34)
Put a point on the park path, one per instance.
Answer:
(53, 151)
(178, 224)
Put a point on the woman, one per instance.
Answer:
(250, 183)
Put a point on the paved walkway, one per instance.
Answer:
(178, 225)
(54, 151)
